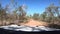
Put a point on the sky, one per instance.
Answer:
(34, 6)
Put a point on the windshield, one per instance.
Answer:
(30, 15)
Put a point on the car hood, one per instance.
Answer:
(27, 28)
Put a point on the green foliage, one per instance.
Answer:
(36, 16)
(43, 16)
(22, 13)
(51, 12)
(2, 13)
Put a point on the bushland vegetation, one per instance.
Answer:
(18, 15)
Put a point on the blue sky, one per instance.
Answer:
(34, 6)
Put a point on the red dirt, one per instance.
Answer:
(35, 23)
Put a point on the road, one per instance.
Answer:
(33, 23)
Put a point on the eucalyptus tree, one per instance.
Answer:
(12, 5)
(52, 11)
(36, 16)
(2, 13)
(43, 16)
(22, 12)
(15, 14)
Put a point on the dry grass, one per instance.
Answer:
(30, 22)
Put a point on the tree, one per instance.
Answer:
(2, 14)
(15, 14)
(52, 10)
(53, 15)
(22, 12)
(43, 16)
(36, 16)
